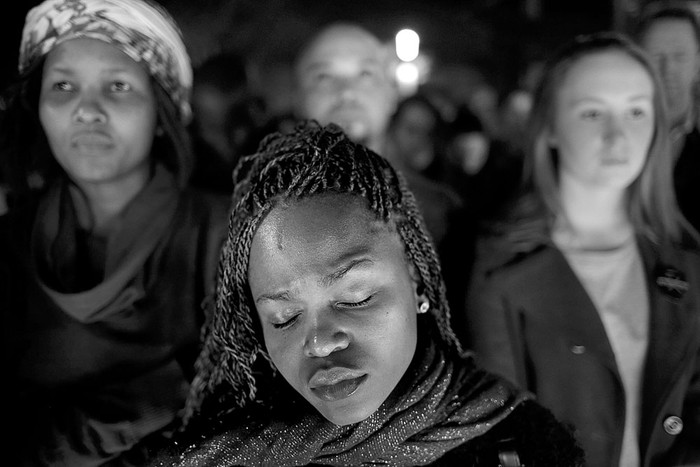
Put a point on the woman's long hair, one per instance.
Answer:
(651, 200)
(313, 160)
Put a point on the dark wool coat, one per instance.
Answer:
(530, 319)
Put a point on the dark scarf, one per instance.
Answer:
(133, 237)
(441, 403)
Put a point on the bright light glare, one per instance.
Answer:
(407, 73)
(407, 44)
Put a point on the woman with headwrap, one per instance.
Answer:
(329, 340)
(110, 254)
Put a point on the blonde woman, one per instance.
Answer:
(589, 299)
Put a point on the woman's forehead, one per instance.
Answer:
(331, 216)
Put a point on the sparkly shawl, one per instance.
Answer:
(441, 403)
(142, 30)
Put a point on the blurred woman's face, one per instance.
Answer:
(98, 110)
(470, 151)
(604, 120)
(336, 301)
(413, 134)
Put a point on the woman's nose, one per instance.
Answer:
(324, 337)
(613, 130)
(89, 110)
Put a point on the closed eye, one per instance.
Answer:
(287, 323)
(359, 304)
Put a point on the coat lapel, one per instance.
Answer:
(566, 302)
(673, 323)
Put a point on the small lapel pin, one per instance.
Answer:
(672, 282)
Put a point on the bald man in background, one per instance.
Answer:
(345, 76)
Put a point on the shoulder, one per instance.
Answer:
(515, 240)
(531, 432)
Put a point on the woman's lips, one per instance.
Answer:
(332, 384)
(92, 140)
(340, 390)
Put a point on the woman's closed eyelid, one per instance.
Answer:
(355, 303)
(285, 320)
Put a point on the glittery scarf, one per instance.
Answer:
(441, 403)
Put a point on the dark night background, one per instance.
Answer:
(495, 37)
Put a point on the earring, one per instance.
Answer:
(423, 308)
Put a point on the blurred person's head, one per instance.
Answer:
(467, 145)
(104, 92)
(671, 35)
(415, 132)
(599, 120)
(344, 77)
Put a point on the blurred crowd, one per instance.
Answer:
(563, 215)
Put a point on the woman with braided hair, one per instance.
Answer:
(328, 340)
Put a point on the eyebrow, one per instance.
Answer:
(585, 100)
(338, 274)
(328, 280)
(275, 296)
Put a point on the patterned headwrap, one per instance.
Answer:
(142, 30)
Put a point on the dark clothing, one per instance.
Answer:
(531, 320)
(531, 432)
(95, 371)
(686, 178)
(487, 193)
(212, 173)
(445, 410)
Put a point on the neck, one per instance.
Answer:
(592, 219)
(97, 204)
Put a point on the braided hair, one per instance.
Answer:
(310, 161)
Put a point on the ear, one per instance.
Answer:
(419, 296)
(423, 304)
(421, 300)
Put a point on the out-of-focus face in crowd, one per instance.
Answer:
(603, 120)
(470, 151)
(413, 135)
(344, 78)
(673, 46)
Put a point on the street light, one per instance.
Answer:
(407, 45)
